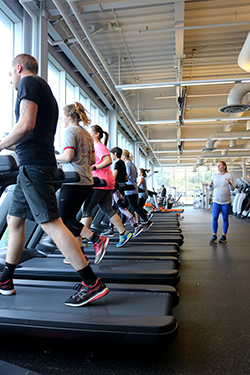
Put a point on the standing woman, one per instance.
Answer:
(78, 155)
(222, 183)
(132, 195)
(142, 195)
(103, 196)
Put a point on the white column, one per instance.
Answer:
(244, 169)
(136, 155)
(42, 44)
(112, 129)
(27, 33)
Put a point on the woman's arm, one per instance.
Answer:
(140, 182)
(105, 163)
(67, 156)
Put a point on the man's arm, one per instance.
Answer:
(25, 124)
(115, 173)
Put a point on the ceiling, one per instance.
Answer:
(158, 42)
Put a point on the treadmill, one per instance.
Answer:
(129, 314)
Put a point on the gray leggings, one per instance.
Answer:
(102, 198)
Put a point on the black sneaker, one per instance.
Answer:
(213, 239)
(137, 230)
(109, 233)
(147, 225)
(7, 288)
(223, 239)
(87, 293)
(150, 215)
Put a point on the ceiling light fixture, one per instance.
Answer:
(191, 96)
(157, 85)
(191, 121)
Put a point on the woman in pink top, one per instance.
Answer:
(103, 196)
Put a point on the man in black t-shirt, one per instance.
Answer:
(34, 196)
(120, 175)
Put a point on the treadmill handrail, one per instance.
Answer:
(123, 186)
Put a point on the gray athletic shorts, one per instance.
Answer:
(34, 195)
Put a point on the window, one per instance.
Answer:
(69, 93)
(6, 92)
(53, 80)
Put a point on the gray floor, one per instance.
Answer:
(213, 316)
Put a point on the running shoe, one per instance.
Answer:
(150, 215)
(124, 239)
(66, 261)
(213, 239)
(137, 230)
(109, 233)
(7, 288)
(87, 293)
(147, 225)
(100, 249)
(85, 242)
(223, 239)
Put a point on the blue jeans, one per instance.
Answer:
(224, 209)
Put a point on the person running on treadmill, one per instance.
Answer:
(142, 195)
(78, 154)
(132, 195)
(103, 196)
(34, 195)
(117, 198)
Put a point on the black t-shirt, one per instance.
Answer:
(121, 168)
(38, 147)
(163, 192)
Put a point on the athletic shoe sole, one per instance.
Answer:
(105, 245)
(135, 235)
(145, 230)
(124, 243)
(65, 261)
(222, 241)
(93, 298)
(7, 292)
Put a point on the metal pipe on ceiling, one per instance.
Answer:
(192, 27)
(88, 54)
(84, 27)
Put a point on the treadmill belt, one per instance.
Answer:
(128, 314)
(140, 272)
(147, 236)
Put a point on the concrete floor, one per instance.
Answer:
(213, 316)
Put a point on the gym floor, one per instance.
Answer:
(213, 317)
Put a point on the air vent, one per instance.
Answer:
(209, 146)
(234, 108)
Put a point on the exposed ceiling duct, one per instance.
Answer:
(244, 55)
(234, 100)
(210, 145)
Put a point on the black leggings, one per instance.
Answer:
(141, 202)
(132, 200)
(70, 200)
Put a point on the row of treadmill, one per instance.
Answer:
(142, 277)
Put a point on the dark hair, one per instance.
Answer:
(117, 151)
(77, 112)
(27, 61)
(98, 129)
(224, 164)
(144, 171)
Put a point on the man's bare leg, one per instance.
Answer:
(66, 242)
(16, 239)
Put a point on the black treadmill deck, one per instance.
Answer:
(129, 314)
